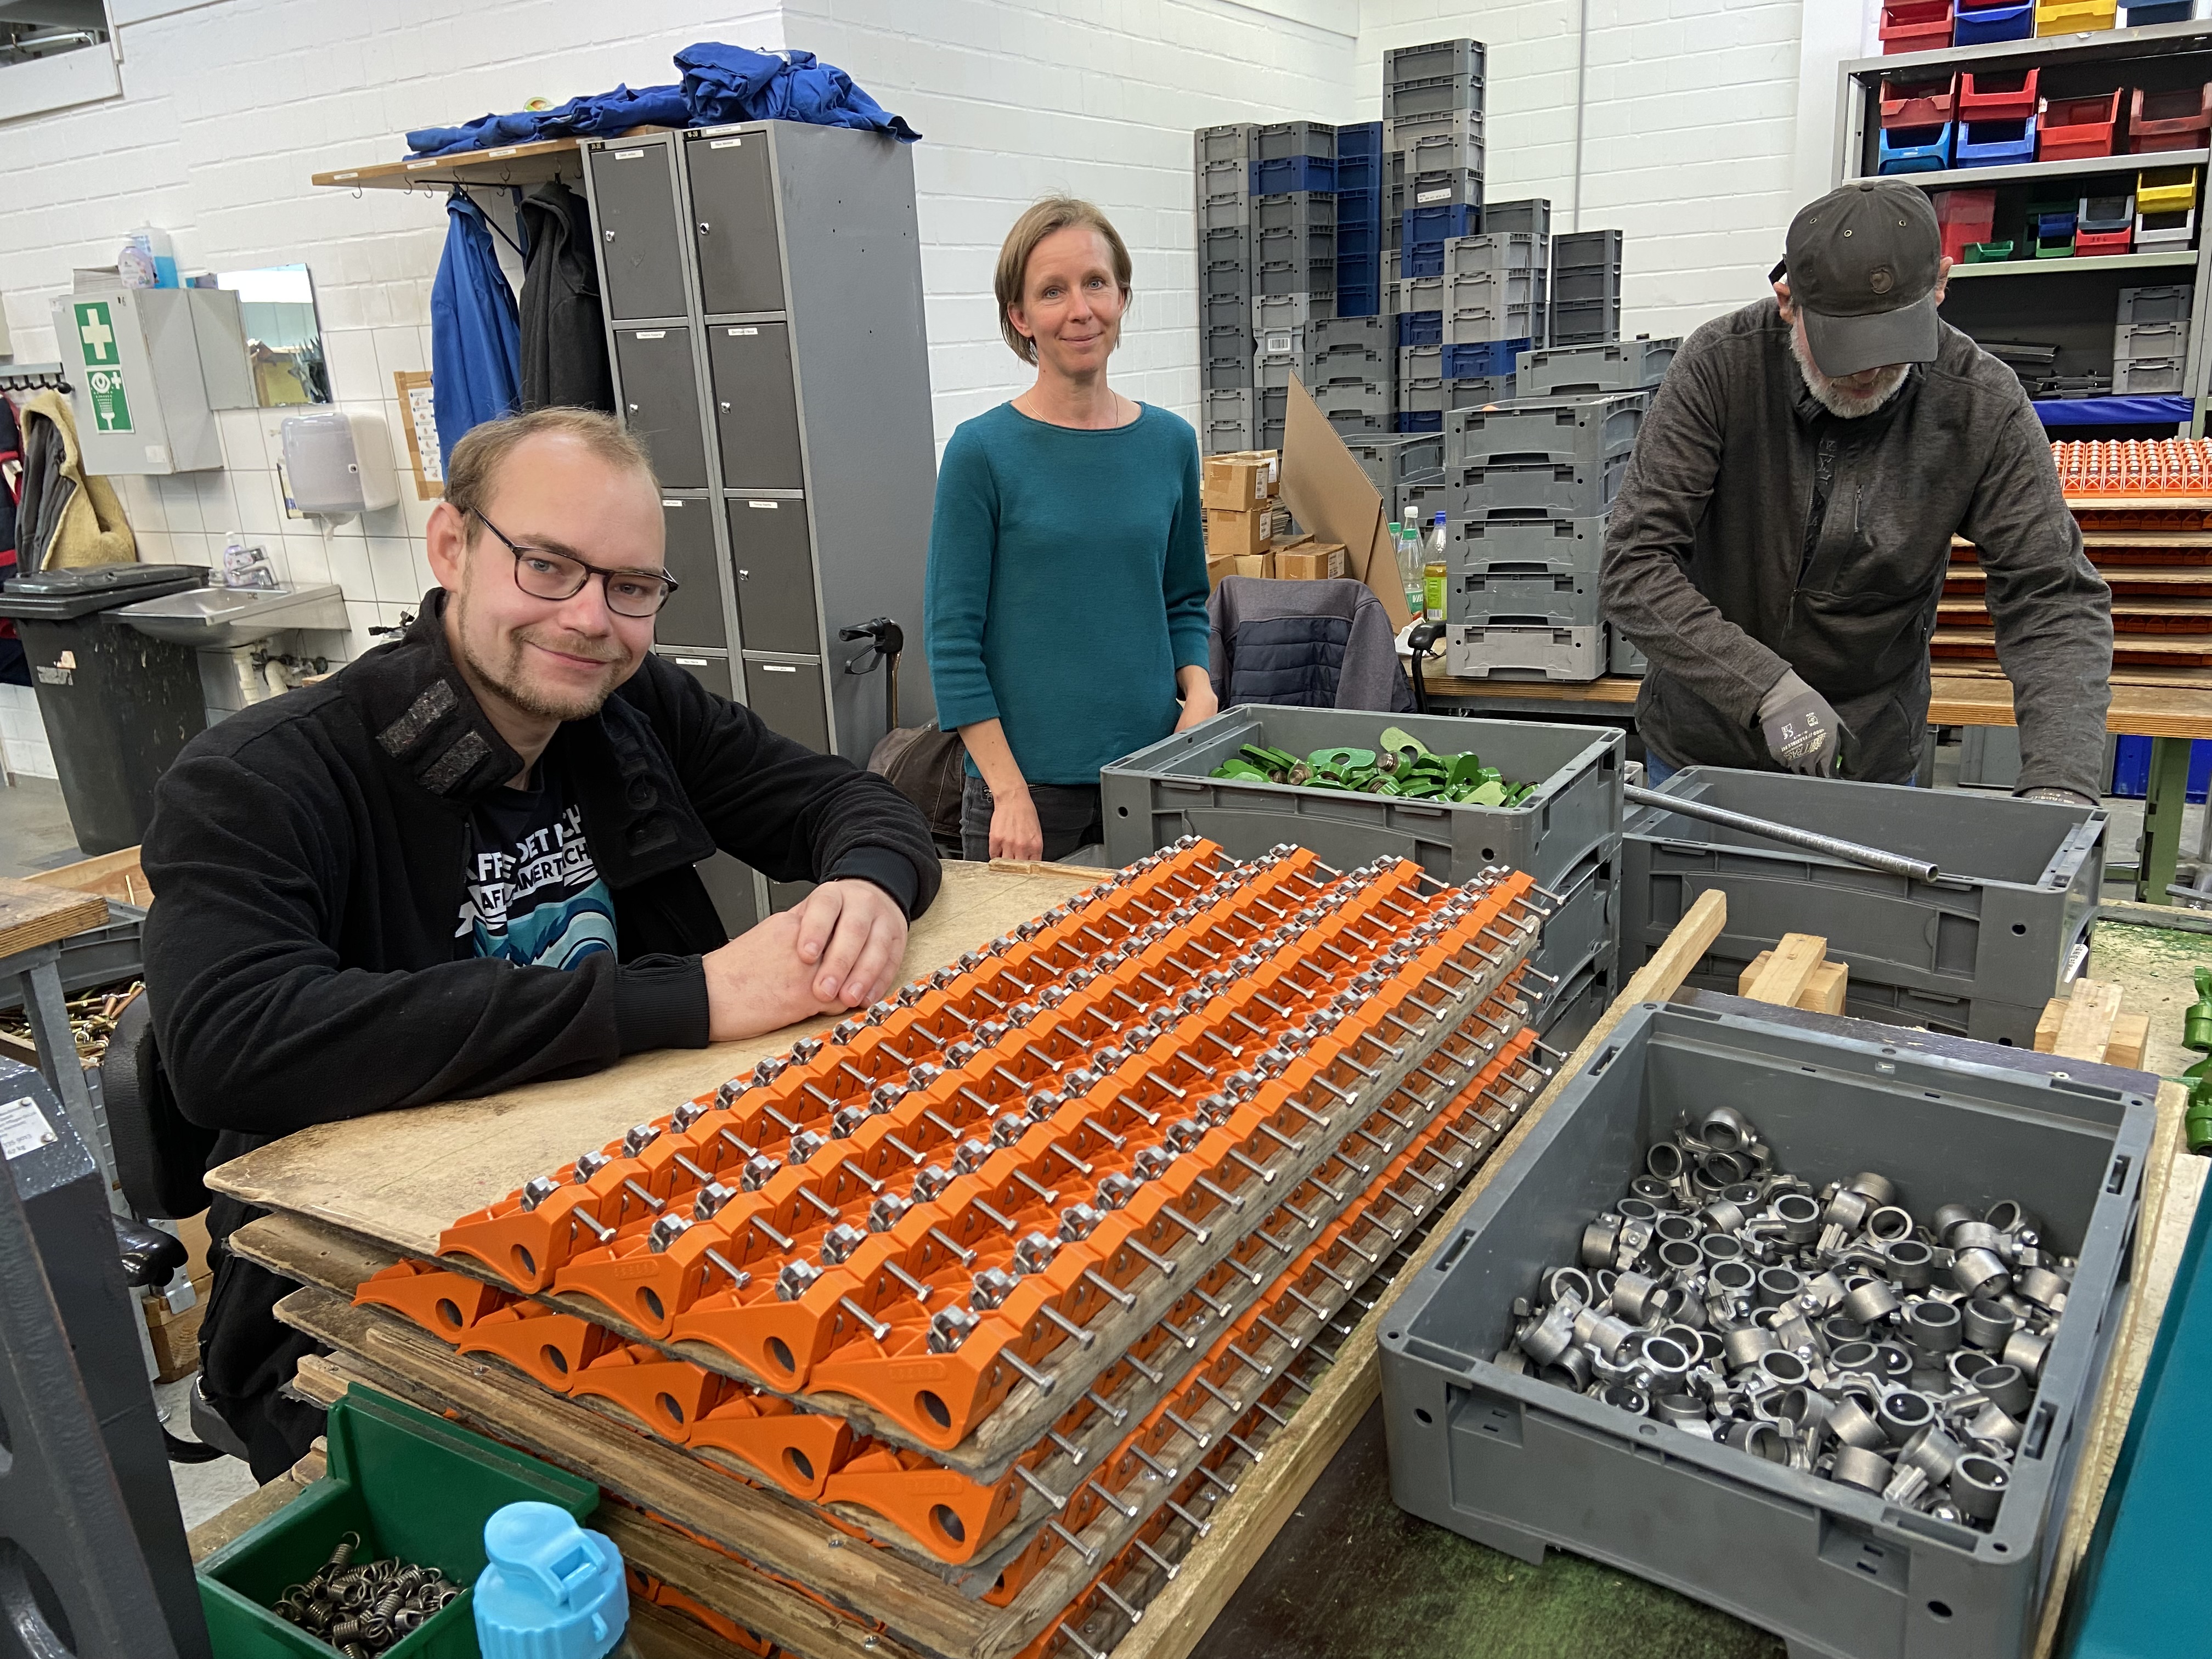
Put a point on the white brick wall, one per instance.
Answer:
(230, 105)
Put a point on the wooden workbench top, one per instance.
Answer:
(401, 1177)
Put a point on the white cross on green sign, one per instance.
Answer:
(96, 333)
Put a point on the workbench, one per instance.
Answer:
(1312, 1560)
(2170, 707)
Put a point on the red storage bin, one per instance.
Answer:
(1964, 217)
(1916, 26)
(1933, 102)
(2088, 244)
(2180, 119)
(1998, 95)
(2072, 129)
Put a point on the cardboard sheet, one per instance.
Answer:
(1333, 498)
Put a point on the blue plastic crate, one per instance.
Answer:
(2131, 769)
(2054, 222)
(1483, 359)
(1985, 25)
(2161, 11)
(1916, 150)
(1433, 224)
(1360, 173)
(1292, 172)
(1996, 143)
(1420, 419)
(1358, 242)
(1421, 259)
(1357, 299)
(1420, 328)
(1359, 138)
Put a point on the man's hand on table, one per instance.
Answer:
(838, 948)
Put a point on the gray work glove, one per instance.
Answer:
(1802, 731)
(2052, 791)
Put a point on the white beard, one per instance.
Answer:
(1851, 406)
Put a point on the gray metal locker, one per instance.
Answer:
(733, 223)
(710, 669)
(660, 402)
(773, 560)
(692, 615)
(632, 190)
(755, 405)
(788, 696)
(740, 895)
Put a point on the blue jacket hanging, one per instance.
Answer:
(476, 332)
(724, 83)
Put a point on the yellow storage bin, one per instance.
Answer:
(2071, 16)
(2166, 189)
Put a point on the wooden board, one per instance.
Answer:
(2148, 650)
(2140, 579)
(401, 1177)
(31, 915)
(1247, 1522)
(1789, 968)
(2087, 1026)
(2130, 615)
(1823, 993)
(112, 875)
(503, 164)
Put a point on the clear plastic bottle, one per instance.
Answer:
(1409, 569)
(1435, 570)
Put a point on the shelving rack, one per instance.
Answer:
(2069, 302)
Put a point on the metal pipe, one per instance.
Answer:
(1894, 864)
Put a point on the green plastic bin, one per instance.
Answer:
(411, 1485)
(1984, 253)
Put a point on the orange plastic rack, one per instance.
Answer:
(2134, 466)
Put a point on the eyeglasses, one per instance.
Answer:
(544, 575)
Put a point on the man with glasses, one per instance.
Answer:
(467, 859)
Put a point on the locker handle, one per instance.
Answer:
(725, 405)
(704, 227)
(745, 576)
(609, 234)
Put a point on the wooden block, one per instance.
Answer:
(1790, 969)
(2046, 1025)
(2086, 1025)
(1823, 993)
(112, 875)
(2130, 1035)
(31, 914)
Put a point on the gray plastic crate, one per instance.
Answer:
(1284, 141)
(1450, 143)
(1281, 342)
(1552, 601)
(1583, 931)
(1273, 313)
(1225, 422)
(1478, 391)
(1436, 94)
(1518, 489)
(1274, 370)
(2149, 376)
(2163, 302)
(1976, 954)
(1622, 657)
(1530, 213)
(1423, 501)
(1228, 279)
(1350, 423)
(1574, 283)
(1226, 374)
(1569, 1014)
(1349, 395)
(1561, 371)
(1527, 547)
(1477, 324)
(1224, 311)
(1505, 650)
(1438, 57)
(1493, 250)
(2132, 341)
(1294, 243)
(107, 955)
(1488, 291)
(1421, 362)
(1585, 322)
(1523, 1465)
(1586, 247)
(1438, 187)
(1584, 430)
(1295, 211)
(1390, 462)
(1327, 333)
(1423, 396)
(1225, 212)
(1313, 276)
(1238, 141)
(1566, 829)
(1368, 359)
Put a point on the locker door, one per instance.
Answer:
(773, 557)
(693, 616)
(733, 224)
(755, 408)
(636, 201)
(788, 696)
(713, 672)
(660, 402)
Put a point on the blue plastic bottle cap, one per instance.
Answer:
(552, 1589)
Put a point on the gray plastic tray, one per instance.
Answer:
(1621, 655)
(1584, 431)
(1519, 489)
(1552, 601)
(1616, 366)
(1163, 793)
(1977, 954)
(1527, 547)
(1583, 933)
(1522, 1465)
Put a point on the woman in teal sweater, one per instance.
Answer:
(1067, 587)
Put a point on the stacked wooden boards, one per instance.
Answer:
(809, 1579)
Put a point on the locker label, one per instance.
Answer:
(666, 502)
(628, 155)
(770, 506)
(723, 143)
(739, 333)
(652, 334)
(777, 667)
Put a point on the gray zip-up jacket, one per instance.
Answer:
(1726, 569)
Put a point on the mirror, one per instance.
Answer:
(284, 336)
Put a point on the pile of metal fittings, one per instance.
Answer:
(361, 1610)
(1834, 1331)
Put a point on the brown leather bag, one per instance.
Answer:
(928, 767)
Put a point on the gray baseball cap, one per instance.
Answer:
(1862, 265)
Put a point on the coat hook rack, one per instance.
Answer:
(32, 377)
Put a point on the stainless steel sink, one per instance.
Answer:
(221, 618)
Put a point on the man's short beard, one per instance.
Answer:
(506, 681)
(1832, 397)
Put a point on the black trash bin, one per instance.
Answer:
(118, 705)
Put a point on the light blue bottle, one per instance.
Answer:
(552, 1589)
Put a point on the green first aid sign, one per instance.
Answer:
(95, 334)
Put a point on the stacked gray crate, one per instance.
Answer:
(791, 447)
(1586, 267)
(1494, 289)
(1222, 160)
(2150, 340)
(1349, 366)
(1397, 466)
(1531, 482)
(1432, 136)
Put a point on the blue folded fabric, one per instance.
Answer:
(599, 115)
(724, 83)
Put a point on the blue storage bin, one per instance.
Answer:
(1292, 172)
(1357, 299)
(1360, 138)
(2131, 768)
(1421, 259)
(1359, 242)
(1994, 144)
(1420, 328)
(1360, 173)
(1984, 26)
(2164, 11)
(2053, 223)
(1916, 150)
(1433, 224)
(1482, 359)
(1420, 419)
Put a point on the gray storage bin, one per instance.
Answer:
(1976, 954)
(1238, 141)
(1427, 63)
(1622, 657)
(1225, 212)
(1486, 290)
(1313, 276)
(1284, 141)
(1548, 601)
(1228, 279)
(1421, 362)
(1479, 325)
(107, 955)
(1569, 655)
(2134, 342)
(1226, 373)
(1530, 213)
(1274, 369)
(1281, 343)
(1570, 1013)
(1296, 212)
(1225, 422)
(1523, 1465)
(1224, 311)
(1584, 430)
(1438, 187)
(1444, 95)
(1423, 501)
(1527, 547)
(1582, 932)
(1519, 489)
(1423, 396)
(1493, 250)
(2162, 302)
(1273, 313)
(1346, 396)
(1585, 322)
(1586, 247)
(1566, 829)
(1561, 371)
(2149, 376)
(1390, 462)
(1478, 391)
(1373, 333)
(1582, 282)
(1294, 243)
(1369, 360)
(1447, 141)
(1349, 423)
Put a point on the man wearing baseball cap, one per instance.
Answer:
(1779, 542)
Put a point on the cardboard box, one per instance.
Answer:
(1238, 564)
(1312, 562)
(1230, 533)
(1240, 482)
(176, 1336)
